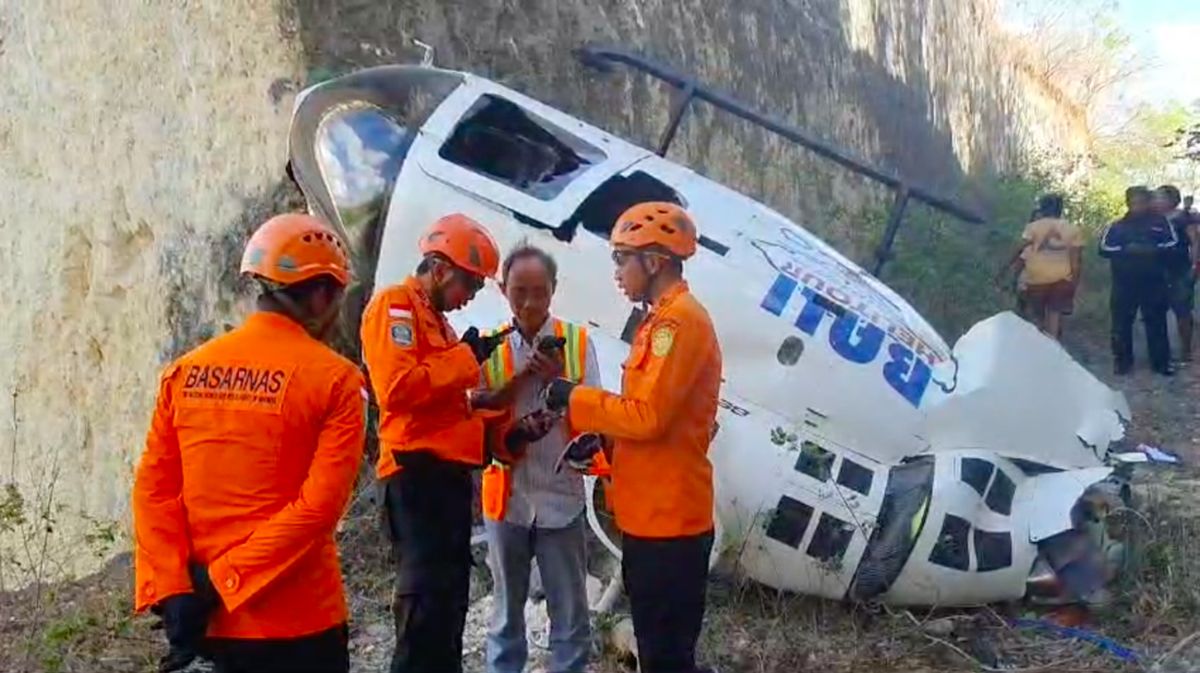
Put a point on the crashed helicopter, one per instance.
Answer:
(858, 456)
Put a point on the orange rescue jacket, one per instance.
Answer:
(252, 454)
(421, 374)
(661, 423)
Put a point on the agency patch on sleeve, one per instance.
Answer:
(402, 333)
(661, 341)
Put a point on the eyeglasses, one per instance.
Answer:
(619, 257)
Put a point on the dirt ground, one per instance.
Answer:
(88, 625)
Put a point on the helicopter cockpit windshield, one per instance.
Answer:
(349, 141)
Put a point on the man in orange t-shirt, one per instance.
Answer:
(251, 457)
(660, 427)
(1051, 261)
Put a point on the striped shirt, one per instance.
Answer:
(540, 498)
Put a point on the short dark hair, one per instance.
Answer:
(427, 262)
(301, 291)
(526, 250)
(1137, 191)
(1171, 192)
(1051, 205)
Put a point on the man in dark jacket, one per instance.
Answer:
(1181, 278)
(1138, 246)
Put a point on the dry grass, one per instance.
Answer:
(88, 625)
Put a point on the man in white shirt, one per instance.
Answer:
(536, 512)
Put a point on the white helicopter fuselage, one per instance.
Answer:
(832, 382)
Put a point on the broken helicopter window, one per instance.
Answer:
(360, 149)
(598, 212)
(977, 473)
(901, 519)
(854, 476)
(1000, 495)
(831, 539)
(500, 140)
(815, 461)
(951, 549)
(993, 551)
(789, 522)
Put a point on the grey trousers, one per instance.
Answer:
(562, 564)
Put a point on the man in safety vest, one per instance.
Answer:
(660, 427)
(430, 437)
(251, 457)
(533, 509)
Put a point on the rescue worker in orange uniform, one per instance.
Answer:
(660, 427)
(431, 438)
(251, 457)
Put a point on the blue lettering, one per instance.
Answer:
(907, 374)
(779, 294)
(813, 312)
(870, 338)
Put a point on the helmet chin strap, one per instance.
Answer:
(647, 294)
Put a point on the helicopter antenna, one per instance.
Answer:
(426, 53)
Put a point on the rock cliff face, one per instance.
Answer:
(140, 143)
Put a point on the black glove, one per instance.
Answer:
(482, 346)
(558, 394)
(580, 451)
(185, 620)
(530, 428)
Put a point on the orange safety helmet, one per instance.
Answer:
(656, 223)
(464, 242)
(292, 248)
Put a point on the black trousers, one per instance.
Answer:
(666, 579)
(324, 652)
(427, 507)
(1149, 296)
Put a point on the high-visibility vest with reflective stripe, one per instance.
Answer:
(499, 368)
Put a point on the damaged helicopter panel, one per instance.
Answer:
(858, 456)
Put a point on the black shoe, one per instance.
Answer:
(1122, 370)
(1164, 371)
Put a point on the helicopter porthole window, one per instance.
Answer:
(789, 522)
(993, 551)
(790, 351)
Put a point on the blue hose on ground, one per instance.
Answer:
(1106, 644)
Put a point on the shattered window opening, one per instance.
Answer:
(855, 476)
(815, 461)
(499, 139)
(896, 531)
(993, 551)
(1000, 495)
(598, 212)
(789, 522)
(976, 472)
(831, 539)
(951, 550)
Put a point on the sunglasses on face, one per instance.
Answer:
(620, 257)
